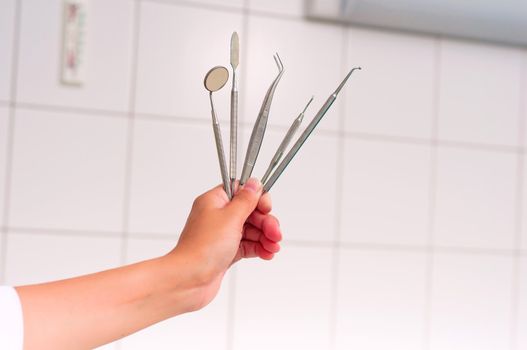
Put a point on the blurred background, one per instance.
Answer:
(404, 215)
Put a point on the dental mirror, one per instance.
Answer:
(216, 78)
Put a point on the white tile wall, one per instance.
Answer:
(394, 93)
(234, 4)
(172, 62)
(108, 56)
(471, 302)
(521, 341)
(386, 193)
(475, 199)
(201, 330)
(523, 234)
(290, 7)
(381, 306)
(308, 69)
(484, 108)
(284, 304)
(172, 164)
(41, 257)
(4, 119)
(68, 171)
(304, 196)
(7, 27)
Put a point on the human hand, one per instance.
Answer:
(220, 232)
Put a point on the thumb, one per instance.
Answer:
(245, 200)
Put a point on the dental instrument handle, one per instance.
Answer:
(234, 135)
(281, 149)
(298, 144)
(220, 150)
(285, 142)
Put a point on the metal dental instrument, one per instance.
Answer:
(215, 79)
(285, 142)
(255, 142)
(235, 58)
(303, 137)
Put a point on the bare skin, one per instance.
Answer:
(92, 310)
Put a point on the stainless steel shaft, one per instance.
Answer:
(233, 138)
(235, 60)
(220, 150)
(298, 144)
(303, 137)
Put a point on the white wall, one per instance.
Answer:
(404, 216)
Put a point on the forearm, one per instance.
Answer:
(91, 310)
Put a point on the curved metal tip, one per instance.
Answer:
(311, 100)
(346, 79)
(278, 62)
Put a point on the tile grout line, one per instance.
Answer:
(20, 230)
(168, 118)
(231, 299)
(135, 27)
(10, 140)
(245, 9)
(339, 178)
(130, 129)
(516, 277)
(429, 269)
(200, 5)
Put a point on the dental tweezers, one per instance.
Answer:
(257, 135)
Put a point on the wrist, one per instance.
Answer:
(188, 276)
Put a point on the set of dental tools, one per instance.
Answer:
(215, 79)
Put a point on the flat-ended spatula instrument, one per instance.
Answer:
(235, 59)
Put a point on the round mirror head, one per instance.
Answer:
(216, 78)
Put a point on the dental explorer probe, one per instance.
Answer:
(303, 137)
(285, 142)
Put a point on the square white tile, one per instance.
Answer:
(7, 29)
(386, 193)
(521, 341)
(68, 171)
(4, 124)
(108, 55)
(43, 257)
(284, 303)
(173, 163)
(385, 98)
(479, 93)
(381, 293)
(523, 237)
(304, 196)
(289, 7)
(313, 66)
(200, 330)
(177, 46)
(233, 4)
(475, 198)
(471, 302)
